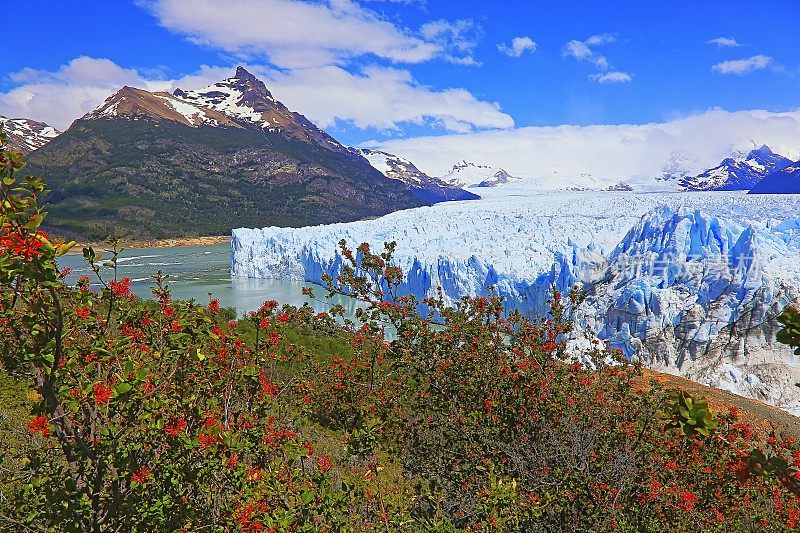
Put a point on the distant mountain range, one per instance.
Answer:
(737, 173)
(399, 168)
(25, 135)
(465, 174)
(154, 164)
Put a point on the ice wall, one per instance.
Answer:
(690, 286)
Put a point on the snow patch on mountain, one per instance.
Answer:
(193, 114)
(690, 284)
(466, 174)
(225, 97)
(395, 167)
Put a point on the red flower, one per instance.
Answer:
(274, 338)
(210, 422)
(264, 323)
(25, 246)
(39, 425)
(231, 325)
(176, 327)
(213, 306)
(175, 427)
(794, 518)
(267, 387)
(83, 312)
(283, 317)
(268, 306)
(121, 288)
(324, 463)
(688, 500)
(102, 393)
(233, 461)
(141, 475)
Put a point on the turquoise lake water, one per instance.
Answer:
(195, 271)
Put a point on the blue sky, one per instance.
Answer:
(385, 70)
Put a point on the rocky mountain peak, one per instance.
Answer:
(246, 99)
(253, 89)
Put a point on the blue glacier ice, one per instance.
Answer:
(688, 283)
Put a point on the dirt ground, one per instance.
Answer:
(758, 414)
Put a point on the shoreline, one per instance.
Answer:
(155, 243)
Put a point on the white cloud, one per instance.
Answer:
(615, 76)
(597, 40)
(724, 42)
(608, 152)
(742, 66)
(383, 98)
(518, 46)
(379, 97)
(582, 50)
(577, 49)
(301, 34)
(459, 38)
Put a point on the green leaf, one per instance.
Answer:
(122, 388)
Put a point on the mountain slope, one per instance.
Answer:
(25, 135)
(737, 173)
(155, 165)
(784, 181)
(401, 169)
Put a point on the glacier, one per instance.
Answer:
(690, 284)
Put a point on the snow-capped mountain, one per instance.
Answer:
(690, 284)
(401, 169)
(25, 135)
(465, 174)
(203, 162)
(246, 99)
(738, 173)
(784, 181)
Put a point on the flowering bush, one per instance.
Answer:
(164, 415)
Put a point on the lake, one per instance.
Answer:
(195, 271)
